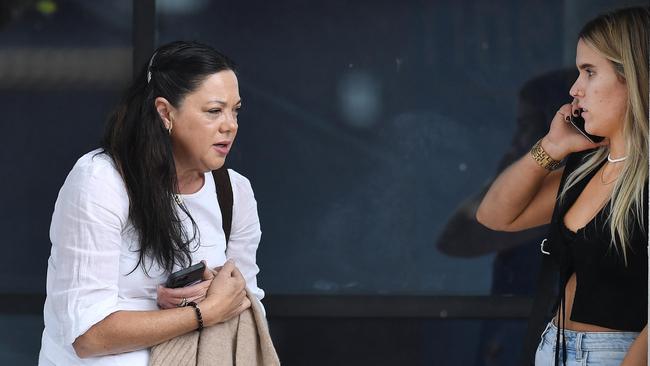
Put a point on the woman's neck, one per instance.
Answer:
(617, 148)
(189, 180)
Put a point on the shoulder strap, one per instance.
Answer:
(542, 309)
(224, 195)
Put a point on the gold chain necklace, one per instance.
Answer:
(602, 177)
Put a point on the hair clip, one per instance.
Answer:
(149, 67)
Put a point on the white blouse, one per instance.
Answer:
(95, 249)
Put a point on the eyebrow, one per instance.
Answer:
(222, 102)
(586, 66)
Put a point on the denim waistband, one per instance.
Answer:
(591, 340)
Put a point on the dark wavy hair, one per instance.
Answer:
(139, 144)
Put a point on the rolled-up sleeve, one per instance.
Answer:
(89, 216)
(245, 233)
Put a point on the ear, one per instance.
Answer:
(165, 110)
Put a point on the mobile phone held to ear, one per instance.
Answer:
(579, 123)
(186, 277)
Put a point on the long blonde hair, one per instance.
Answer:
(622, 37)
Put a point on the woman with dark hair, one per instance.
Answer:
(144, 206)
(597, 204)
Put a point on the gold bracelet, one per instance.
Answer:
(543, 158)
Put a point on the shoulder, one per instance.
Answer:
(245, 222)
(94, 181)
(240, 184)
(95, 168)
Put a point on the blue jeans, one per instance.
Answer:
(584, 348)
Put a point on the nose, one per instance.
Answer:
(576, 89)
(229, 124)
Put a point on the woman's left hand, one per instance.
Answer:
(169, 298)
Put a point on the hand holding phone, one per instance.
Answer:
(186, 277)
(579, 123)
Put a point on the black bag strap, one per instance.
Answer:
(224, 195)
(541, 311)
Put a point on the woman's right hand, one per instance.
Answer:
(563, 139)
(226, 296)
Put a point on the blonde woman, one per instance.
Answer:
(596, 204)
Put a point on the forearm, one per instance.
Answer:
(126, 331)
(511, 193)
(637, 355)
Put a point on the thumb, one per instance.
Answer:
(207, 273)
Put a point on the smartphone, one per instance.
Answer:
(579, 123)
(186, 277)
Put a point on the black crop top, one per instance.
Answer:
(608, 293)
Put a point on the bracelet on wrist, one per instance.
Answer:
(199, 318)
(542, 158)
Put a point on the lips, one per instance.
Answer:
(222, 147)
